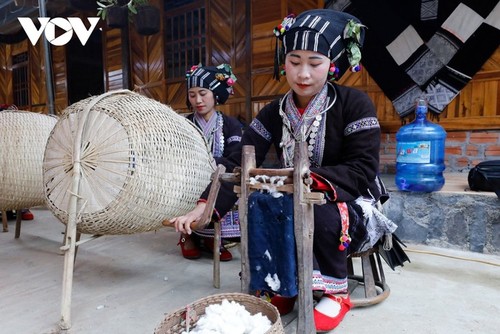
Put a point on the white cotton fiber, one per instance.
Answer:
(273, 282)
(230, 318)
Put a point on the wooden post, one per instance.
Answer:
(73, 209)
(304, 232)
(70, 249)
(4, 221)
(207, 216)
(216, 250)
(247, 163)
(19, 218)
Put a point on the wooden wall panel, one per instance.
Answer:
(240, 29)
(176, 96)
(265, 16)
(241, 62)
(148, 63)
(113, 71)
(60, 75)
(5, 75)
(221, 22)
(228, 44)
(19, 48)
(38, 85)
(298, 7)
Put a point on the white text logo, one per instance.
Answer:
(49, 25)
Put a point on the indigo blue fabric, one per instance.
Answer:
(271, 243)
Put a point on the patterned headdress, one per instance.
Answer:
(219, 79)
(337, 35)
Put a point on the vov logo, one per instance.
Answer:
(48, 25)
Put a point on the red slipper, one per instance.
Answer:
(325, 323)
(189, 253)
(224, 256)
(283, 304)
(27, 215)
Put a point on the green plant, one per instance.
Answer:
(131, 5)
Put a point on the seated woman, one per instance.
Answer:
(341, 129)
(208, 87)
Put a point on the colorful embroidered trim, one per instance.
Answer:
(328, 284)
(258, 127)
(361, 124)
(233, 139)
(345, 238)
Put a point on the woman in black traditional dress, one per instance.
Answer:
(343, 135)
(208, 87)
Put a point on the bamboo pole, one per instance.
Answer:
(69, 248)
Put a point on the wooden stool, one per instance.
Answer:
(372, 279)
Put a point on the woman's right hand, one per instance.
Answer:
(183, 223)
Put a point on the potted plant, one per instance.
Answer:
(116, 12)
(147, 20)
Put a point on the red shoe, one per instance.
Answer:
(325, 323)
(27, 215)
(283, 304)
(191, 253)
(225, 255)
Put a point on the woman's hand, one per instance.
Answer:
(183, 223)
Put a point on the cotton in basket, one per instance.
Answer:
(140, 161)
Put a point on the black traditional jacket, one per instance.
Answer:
(351, 151)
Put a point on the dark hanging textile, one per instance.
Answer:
(271, 244)
(428, 48)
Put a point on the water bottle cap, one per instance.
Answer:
(421, 102)
(421, 107)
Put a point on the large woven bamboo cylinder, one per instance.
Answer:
(140, 162)
(23, 136)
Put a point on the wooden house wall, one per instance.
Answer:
(5, 75)
(228, 44)
(38, 90)
(239, 33)
(147, 63)
(112, 59)
(265, 16)
(59, 70)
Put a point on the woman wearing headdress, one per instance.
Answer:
(208, 87)
(342, 132)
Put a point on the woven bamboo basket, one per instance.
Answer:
(23, 137)
(140, 163)
(174, 323)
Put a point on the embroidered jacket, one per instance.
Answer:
(351, 144)
(231, 133)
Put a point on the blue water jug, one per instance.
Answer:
(420, 153)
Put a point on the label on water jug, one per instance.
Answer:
(418, 152)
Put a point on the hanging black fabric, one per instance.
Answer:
(417, 48)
